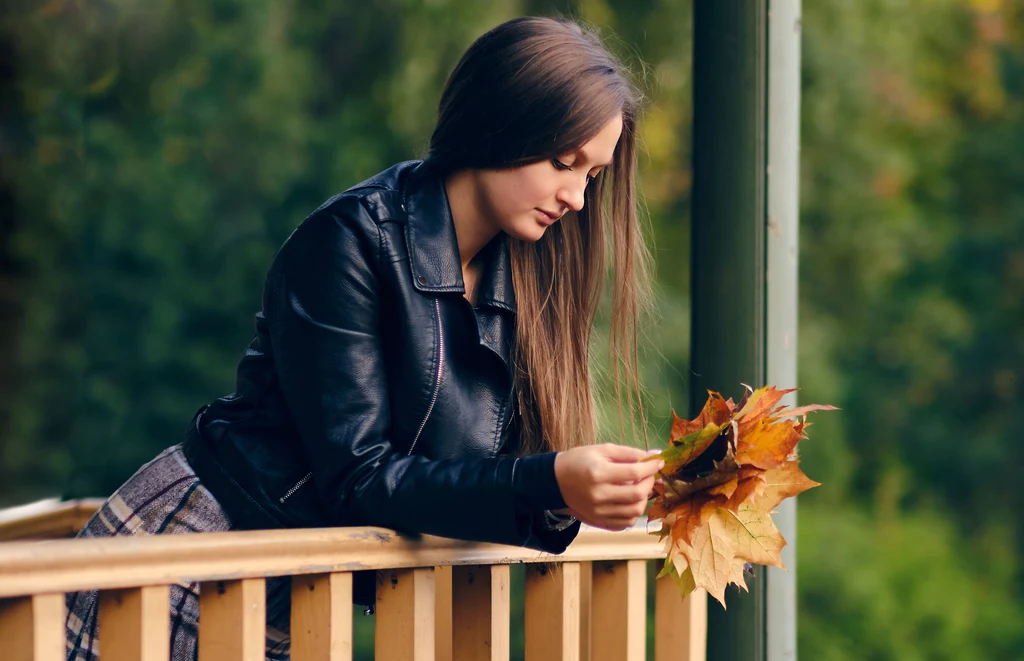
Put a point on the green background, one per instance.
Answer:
(155, 154)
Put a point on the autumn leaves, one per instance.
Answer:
(725, 471)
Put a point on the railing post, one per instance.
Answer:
(586, 607)
(321, 618)
(134, 624)
(680, 625)
(32, 628)
(619, 611)
(232, 620)
(480, 612)
(443, 613)
(552, 612)
(405, 615)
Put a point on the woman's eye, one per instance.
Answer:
(559, 165)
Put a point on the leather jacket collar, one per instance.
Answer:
(430, 234)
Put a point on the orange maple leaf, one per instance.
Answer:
(753, 484)
(767, 443)
(784, 482)
(716, 410)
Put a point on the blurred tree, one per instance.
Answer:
(913, 216)
(913, 231)
(891, 585)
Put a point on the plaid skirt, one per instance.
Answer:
(165, 497)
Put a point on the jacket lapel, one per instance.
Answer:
(434, 247)
(436, 267)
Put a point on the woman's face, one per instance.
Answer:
(524, 201)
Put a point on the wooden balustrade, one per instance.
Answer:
(437, 599)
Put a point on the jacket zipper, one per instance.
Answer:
(298, 485)
(512, 405)
(437, 379)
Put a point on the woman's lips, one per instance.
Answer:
(547, 217)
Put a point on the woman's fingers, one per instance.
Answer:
(622, 453)
(620, 494)
(631, 472)
(626, 454)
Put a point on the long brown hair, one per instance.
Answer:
(539, 88)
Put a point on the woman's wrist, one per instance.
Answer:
(535, 483)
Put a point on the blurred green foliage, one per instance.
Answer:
(156, 154)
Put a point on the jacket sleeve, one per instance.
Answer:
(322, 306)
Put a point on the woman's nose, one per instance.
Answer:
(573, 196)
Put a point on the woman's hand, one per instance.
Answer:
(606, 486)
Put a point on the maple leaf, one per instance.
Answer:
(803, 410)
(725, 472)
(767, 443)
(754, 535)
(784, 482)
(760, 401)
(687, 448)
(682, 575)
(717, 410)
(711, 558)
(747, 486)
(720, 473)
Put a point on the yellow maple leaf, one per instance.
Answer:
(711, 558)
(752, 534)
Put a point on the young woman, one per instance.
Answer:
(420, 361)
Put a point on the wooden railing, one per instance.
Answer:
(436, 598)
(46, 519)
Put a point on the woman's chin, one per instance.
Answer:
(530, 237)
(530, 231)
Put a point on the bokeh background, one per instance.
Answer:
(155, 154)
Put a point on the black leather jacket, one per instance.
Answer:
(373, 392)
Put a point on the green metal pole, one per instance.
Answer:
(744, 222)
(728, 244)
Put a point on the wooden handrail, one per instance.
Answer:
(47, 519)
(120, 562)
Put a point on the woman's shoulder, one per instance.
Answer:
(350, 220)
(381, 198)
(393, 179)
